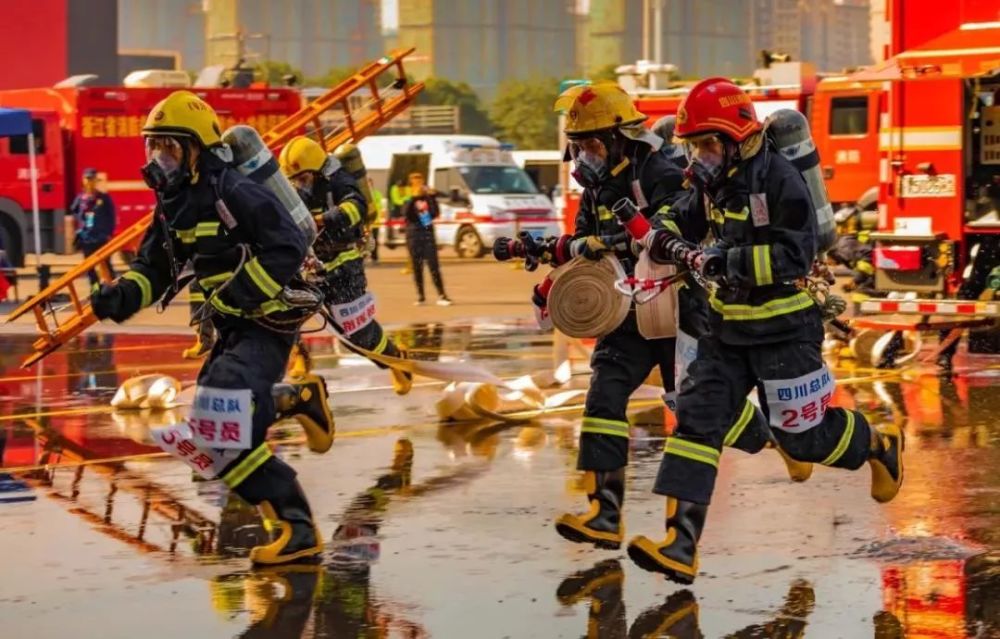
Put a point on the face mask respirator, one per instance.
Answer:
(164, 172)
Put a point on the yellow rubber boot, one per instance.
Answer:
(886, 461)
(677, 555)
(602, 525)
(298, 536)
(299, 364)
(197, 350)
(797, 471)
(307, 401)
(402, 381)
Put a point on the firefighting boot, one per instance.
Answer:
(402, 381)
(602, 524)
(677, 555)
(299, 364)
(676, 617)
(797, 471)
(307, 401)
(204, 341)
(298, 536)
(886, 459)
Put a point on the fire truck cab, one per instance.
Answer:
(100, 127)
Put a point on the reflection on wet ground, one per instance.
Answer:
(445, 530)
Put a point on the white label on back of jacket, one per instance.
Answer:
(796, 405)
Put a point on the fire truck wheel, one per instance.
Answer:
(468, 243)
(10, 243)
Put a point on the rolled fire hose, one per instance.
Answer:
(583, 301)
(154, 391)
(655, 309)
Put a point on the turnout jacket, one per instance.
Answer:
(206, 224)
(661, 181)
(340, 232)
(763, 218)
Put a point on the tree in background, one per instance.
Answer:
(441, 92)
(522, 113)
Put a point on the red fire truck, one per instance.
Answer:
(939, 143)
(99, 127)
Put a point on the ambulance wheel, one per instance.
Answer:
(468, 243)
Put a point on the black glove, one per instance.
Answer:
(710, 262)
(336, 221)
(667, 248)
(591, 247)
(110, 301)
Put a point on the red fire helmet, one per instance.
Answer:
(716, 105)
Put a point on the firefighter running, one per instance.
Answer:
(340, 207)
(615, 157)
(765, 331)
(245, 248)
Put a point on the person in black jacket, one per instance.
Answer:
(615, 158)
(340, 209)
(765, 330)
(94, 214)
(245, 249)
(420, 211)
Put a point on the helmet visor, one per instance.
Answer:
(590, 150)
(163, 145)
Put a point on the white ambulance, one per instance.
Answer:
(482, 192)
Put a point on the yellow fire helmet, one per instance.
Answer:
(185, 114)
(596, 107)
(301, 154)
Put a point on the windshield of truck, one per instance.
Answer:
(497, 179)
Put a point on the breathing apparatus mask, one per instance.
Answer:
(593, 156)
(168, 165)
(708, 156)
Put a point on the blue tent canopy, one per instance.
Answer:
(14, 122)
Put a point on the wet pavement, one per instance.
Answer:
(446, 530)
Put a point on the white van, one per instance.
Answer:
(483, 194)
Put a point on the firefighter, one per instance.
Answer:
(339, 207)
(245, 248)
(94, 213)
(986, 259)
(765, 331)
(616, 158)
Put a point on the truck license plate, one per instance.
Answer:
(928, 185)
